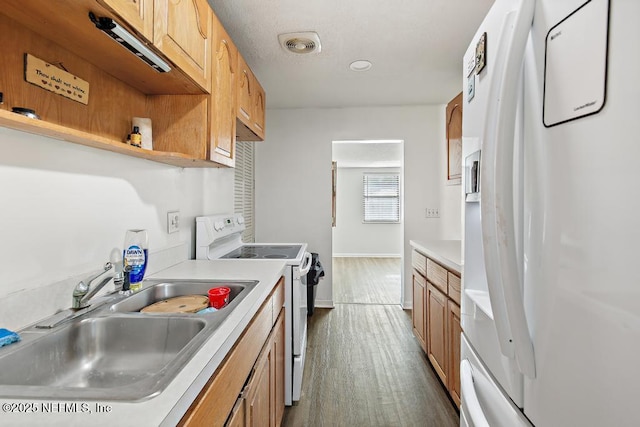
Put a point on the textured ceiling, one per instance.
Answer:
(416, 47)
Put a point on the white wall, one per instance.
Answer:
(352, 237)
(65, 206)
(293, 176)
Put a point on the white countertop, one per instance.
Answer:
(446, 252)
(168, 407)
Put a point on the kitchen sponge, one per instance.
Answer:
(8, 337)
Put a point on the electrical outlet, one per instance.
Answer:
(173, 221)
(432, 213)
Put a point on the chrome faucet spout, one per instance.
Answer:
(83, 291)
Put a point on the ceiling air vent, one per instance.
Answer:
(307, 42)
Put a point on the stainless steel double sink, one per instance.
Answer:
(114, 352)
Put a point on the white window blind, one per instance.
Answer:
(244, 186)
(381, 197)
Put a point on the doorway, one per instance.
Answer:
(368, 231)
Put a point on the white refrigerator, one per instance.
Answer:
(551, 180)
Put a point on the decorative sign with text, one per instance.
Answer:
(54, 79)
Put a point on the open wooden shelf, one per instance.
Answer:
(38, 127)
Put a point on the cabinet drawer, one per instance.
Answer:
(454, 287)
(437, 275)
(419, 262)
(419, 279)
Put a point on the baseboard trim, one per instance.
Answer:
(367, 256)
(324, 304)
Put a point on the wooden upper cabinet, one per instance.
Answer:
(182, 32)
(454, 139)
(251, 104)
(137, 13)
(245, 92)
(259, 107)
(223, 97)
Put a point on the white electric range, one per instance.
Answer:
(220, 237)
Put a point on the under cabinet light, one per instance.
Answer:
(131, 43)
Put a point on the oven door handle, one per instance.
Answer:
(305, 269)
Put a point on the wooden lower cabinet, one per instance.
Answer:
(265, 392)
(261, 403)
(437, 330)
(258, 391)
(453, 335)
(419, 309)
(248, 387)
(436, 319)
(238, 415)
(278, 368)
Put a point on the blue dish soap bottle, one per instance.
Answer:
(136, 255)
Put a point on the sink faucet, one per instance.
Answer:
(83, 291)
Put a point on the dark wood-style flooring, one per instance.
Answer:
(363, 366)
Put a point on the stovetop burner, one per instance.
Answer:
(265, 252)
(247, 255)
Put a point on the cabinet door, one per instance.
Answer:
(437, 330)
(454, 331)
(183, 34)
(238, 414)
(138, 14)
(245, 92)
(278, 369)
(418, 311)
(259, 106)
(259, 392)
(454, 139)
(223, 97)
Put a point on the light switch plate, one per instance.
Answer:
(432, 213)
(173, 221)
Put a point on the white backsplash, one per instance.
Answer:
(66, 206)
(27, 306)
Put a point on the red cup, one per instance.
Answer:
(219, 297)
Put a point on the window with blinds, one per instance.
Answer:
(243, 187)
(381, 197)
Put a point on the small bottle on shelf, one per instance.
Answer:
(136, 137)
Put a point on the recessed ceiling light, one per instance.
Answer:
(360, 65)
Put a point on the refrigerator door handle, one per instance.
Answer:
(468, 392)
(497, 204)
(488, 214)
